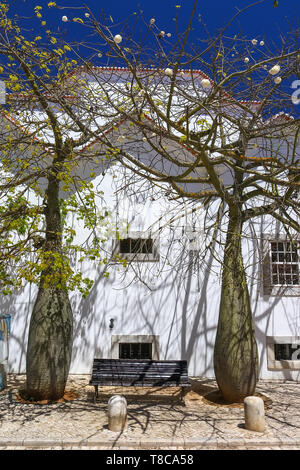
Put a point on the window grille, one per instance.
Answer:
(284, 263)
(136, 245)
(135, 350)
(287, 352)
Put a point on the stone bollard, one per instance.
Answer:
(117, 413)
(254, 414)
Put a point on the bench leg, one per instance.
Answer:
(183, 392)
(96, 393)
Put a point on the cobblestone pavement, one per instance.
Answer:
(157, 419)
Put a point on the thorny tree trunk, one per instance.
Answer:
(51, 327)
(235, 353)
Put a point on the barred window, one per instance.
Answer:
(284, 263)
(135, 350)
(287, 352)
(136, 245)
(280, 266)
(283, 352)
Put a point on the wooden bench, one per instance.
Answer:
(140, 373)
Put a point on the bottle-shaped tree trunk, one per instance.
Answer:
(235, 353)
(49, 344)
(51, 326)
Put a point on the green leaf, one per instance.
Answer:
(275, 3)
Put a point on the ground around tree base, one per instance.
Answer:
(157, 419)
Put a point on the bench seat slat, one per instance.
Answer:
(139, 379)
(139, 373)
(141, 384)
(133, 369)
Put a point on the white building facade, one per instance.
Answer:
(163, 302)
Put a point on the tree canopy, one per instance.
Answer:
(212, 122)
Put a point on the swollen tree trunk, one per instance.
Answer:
(235, 353)
(49, 345)
(51, 326)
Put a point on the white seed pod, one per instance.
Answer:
(64, 19)
(168, 72)
(118, 38)
(161, 34)
(144, 139)
(152, 21)
(254, 42)
(205, 83)
(274, 70)
(121, 139)
(246, 60)
(277, 80)
(169, 35)
(262, 43)
(99, 54)
(87, 15)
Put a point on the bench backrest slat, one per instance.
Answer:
(139, 372)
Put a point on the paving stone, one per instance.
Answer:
(156, 419)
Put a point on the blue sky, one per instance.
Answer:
(262, 20)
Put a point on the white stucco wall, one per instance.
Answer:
(176, 298)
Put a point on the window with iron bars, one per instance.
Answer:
(135, 351)
(284, 263)
(138, 247)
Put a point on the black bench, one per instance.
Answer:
(140, 373)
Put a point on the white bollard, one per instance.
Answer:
(254, 414)
(117, 413)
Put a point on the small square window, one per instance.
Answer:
(138, 247)
(287, 352)
(135, 347)
(135, 350)
(284, 262)
(283, 352)
(281, 267)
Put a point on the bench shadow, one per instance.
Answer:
(155, 395)
(136, 397)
